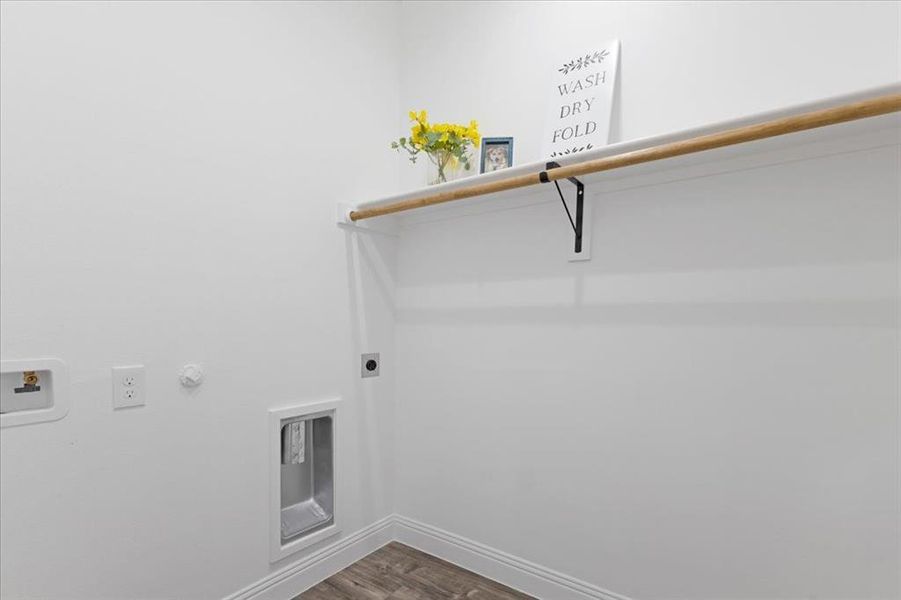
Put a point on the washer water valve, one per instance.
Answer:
(30, 381)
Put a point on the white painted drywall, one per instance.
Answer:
(169, 176)
(683, 64)
(709, 407)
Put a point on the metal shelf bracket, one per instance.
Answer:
(577, 223)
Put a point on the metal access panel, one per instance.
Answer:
(303, 476)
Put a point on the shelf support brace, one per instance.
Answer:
(580, 205)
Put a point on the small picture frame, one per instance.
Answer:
(497, 154)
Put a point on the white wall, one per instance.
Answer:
(169, 174)
(709, 407)
(683, 64)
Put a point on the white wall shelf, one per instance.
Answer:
(819, 132)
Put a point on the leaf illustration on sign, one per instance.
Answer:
(572, 150)
(582, 61)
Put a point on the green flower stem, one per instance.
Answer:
(440, 158)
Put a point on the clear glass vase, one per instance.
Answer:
(444, 167)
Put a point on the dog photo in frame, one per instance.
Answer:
(497, 154)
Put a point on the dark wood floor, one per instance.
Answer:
(398, 572)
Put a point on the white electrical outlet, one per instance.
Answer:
(128, 386)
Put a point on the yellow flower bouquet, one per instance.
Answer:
(446, 144)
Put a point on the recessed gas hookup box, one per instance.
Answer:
(32, 391)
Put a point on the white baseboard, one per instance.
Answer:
(507, 569)
(510, 570)
(310, 570)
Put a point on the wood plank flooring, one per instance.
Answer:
(398, 572)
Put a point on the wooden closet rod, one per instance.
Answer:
(852, 111)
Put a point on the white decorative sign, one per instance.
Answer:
(581, 101)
